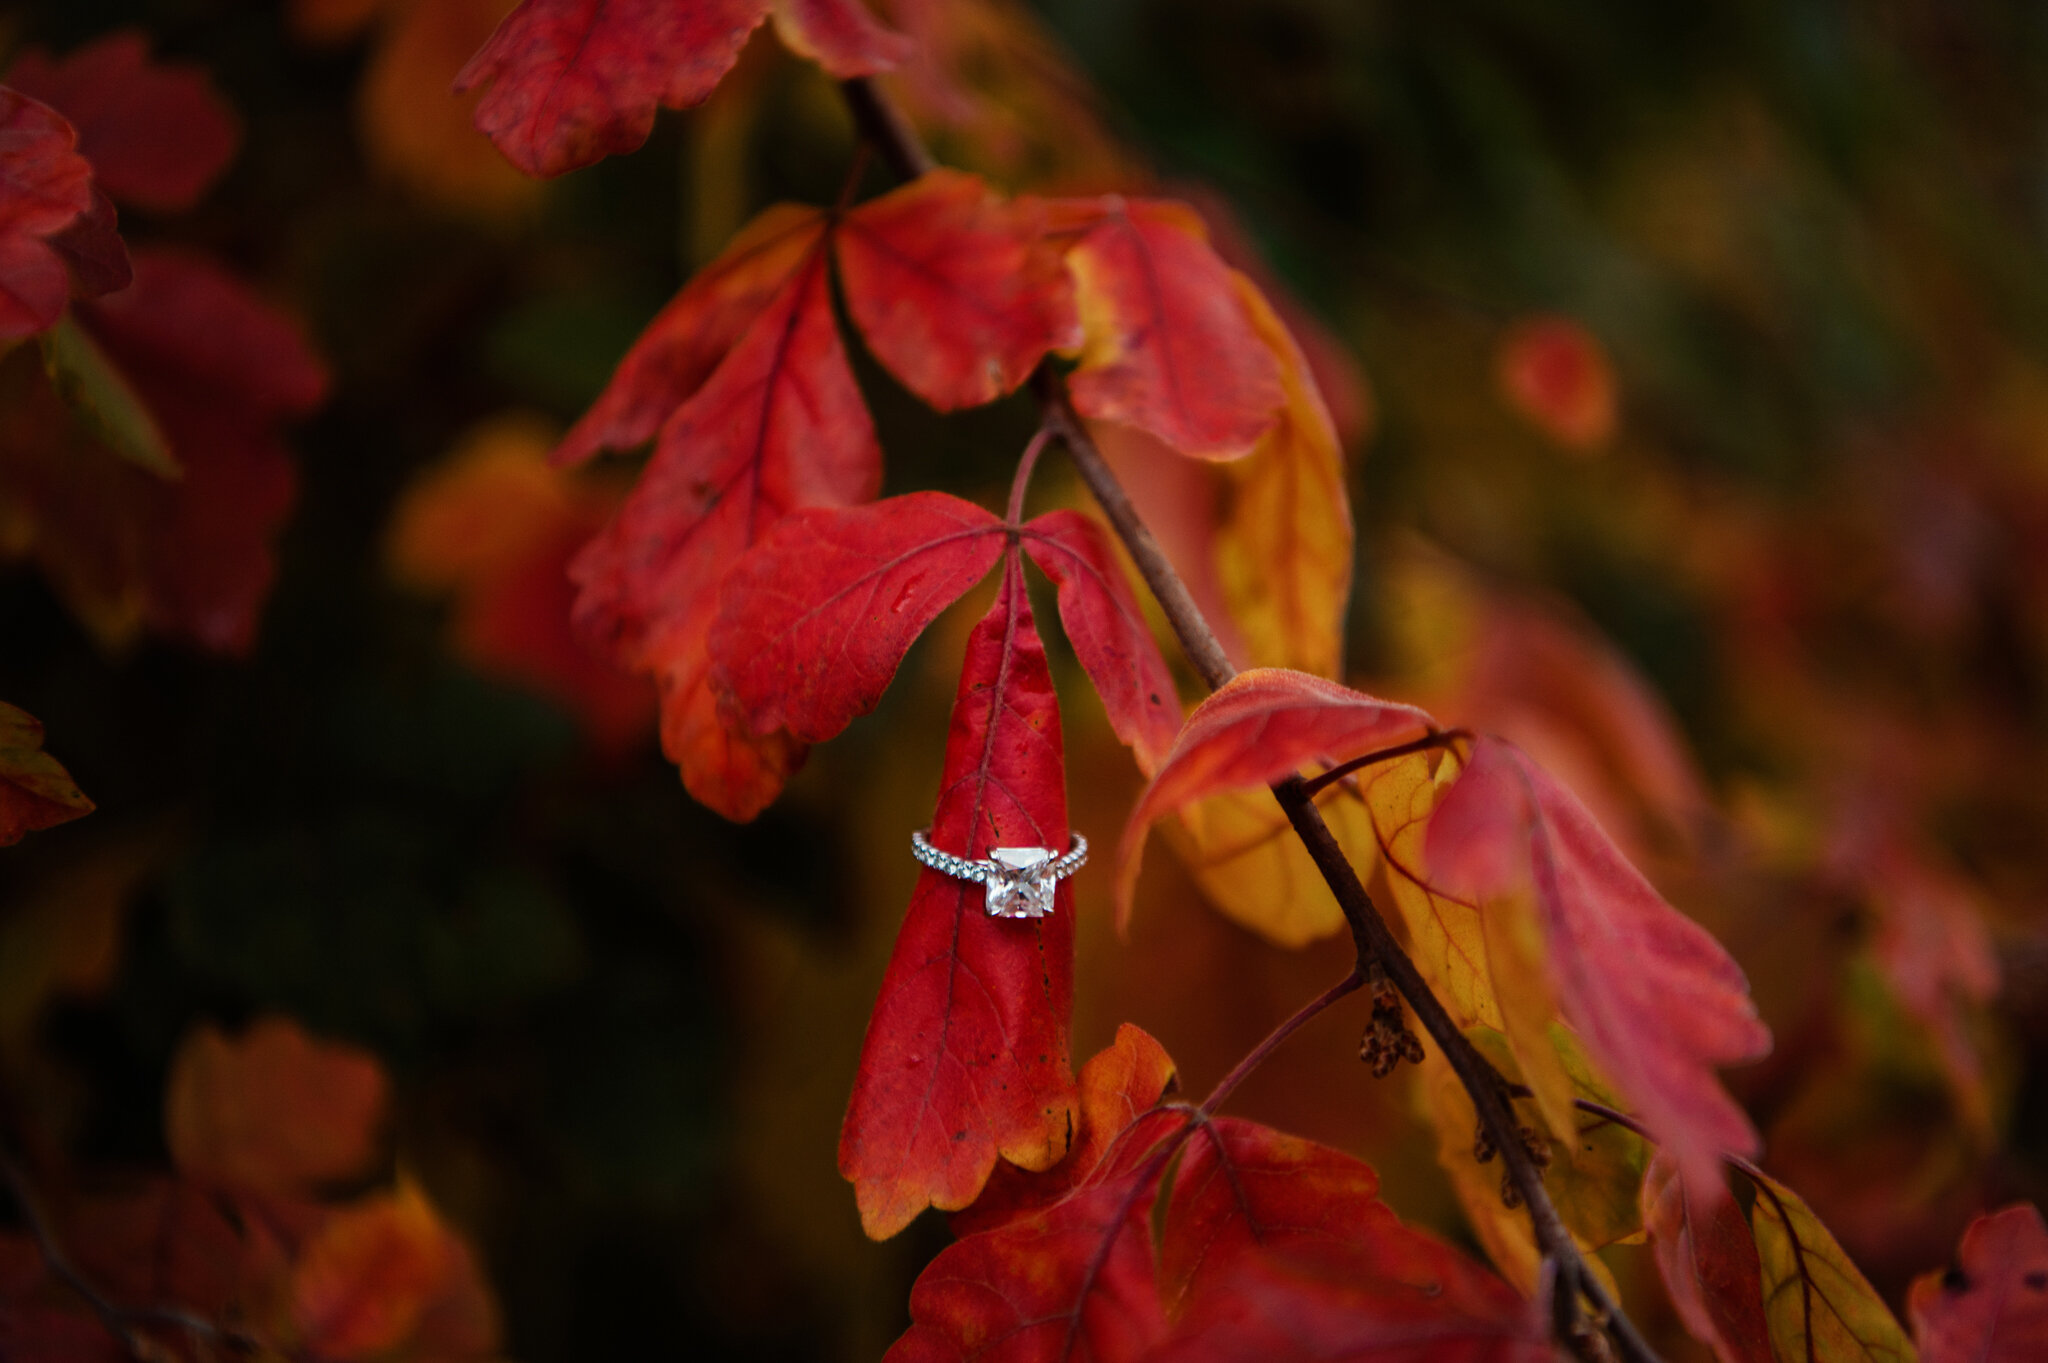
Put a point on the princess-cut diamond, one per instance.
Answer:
(1023, 884)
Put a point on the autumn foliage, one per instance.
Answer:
(1493, 838)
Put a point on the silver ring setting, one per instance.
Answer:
(1019, 880)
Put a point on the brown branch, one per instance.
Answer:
(898, 144)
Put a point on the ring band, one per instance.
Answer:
(1020, 880)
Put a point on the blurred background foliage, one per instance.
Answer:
(1805, 242)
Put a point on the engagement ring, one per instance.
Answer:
(1020, 880)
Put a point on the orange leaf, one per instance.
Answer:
(366, 1280)
(1118, 1123)
(1992, 1306)
(273, 1110)
(1261, 726)
(1167, 345)
(413, 131)
(1283, 532)
(495, 527)
(35, 792)
(1655, 998)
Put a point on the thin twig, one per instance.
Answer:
(899, 145)
(1229, 1082)
(1442, 738)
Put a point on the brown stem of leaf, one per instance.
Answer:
(898, 144)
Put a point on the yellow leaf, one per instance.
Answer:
(1819, 1304)
(1594, 1178)
(1240, 849)
(1283, 534)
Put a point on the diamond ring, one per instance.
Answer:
(1020, 880)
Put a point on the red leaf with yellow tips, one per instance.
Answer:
(1992, 1306)
(1167, 344)
(954, 289)
(1119, 1123)
(569, 82)
(778, 425)
(157, 133)
(1107, 628)
(966, 1054)
(35, 792)
(45, 186)
(1262, 725)
(819, 615)
(1058, 1265)
(1655, 998)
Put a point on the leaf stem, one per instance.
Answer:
(899, 146)
(1021, 480)
(1442, 738)
(1229, 1082)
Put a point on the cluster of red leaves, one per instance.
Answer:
(747, 575)
(248, 1240)
(743, 384)
(1265, 1246)
(141, 464)
(743, 572)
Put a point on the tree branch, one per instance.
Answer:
(897, 142)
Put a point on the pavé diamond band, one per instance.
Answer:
(1019, 880)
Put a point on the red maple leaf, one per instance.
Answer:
(569, 82)
(745, 381)
(966, 1054)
